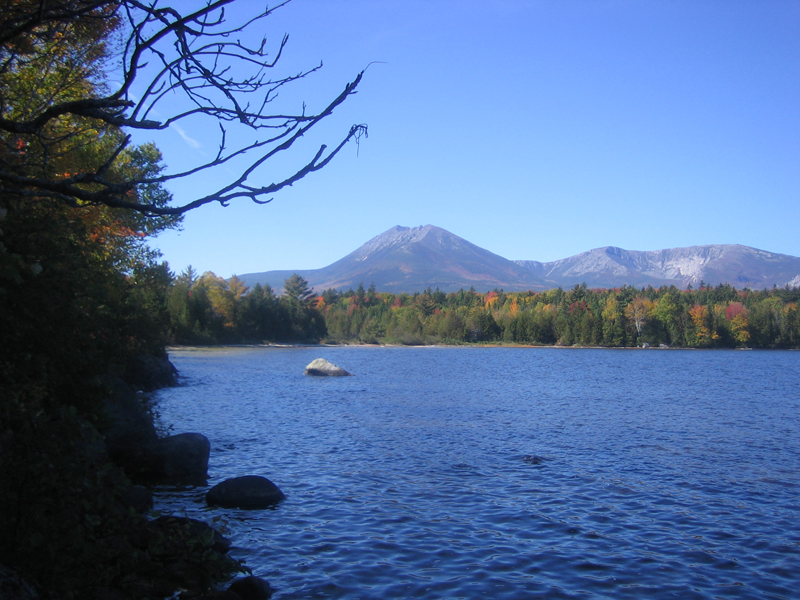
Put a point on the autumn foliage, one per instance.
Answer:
(720, 317)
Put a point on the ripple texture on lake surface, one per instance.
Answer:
(504, 472)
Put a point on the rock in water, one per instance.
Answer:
(322, 368)
(250, 491)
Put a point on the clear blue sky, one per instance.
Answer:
(534, 129)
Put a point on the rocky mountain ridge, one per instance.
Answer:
(740, 266)
(410, 259)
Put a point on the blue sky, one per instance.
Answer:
(534, 129)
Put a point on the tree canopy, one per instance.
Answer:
(720, 317)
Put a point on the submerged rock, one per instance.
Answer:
(249, 491)
(322, 368)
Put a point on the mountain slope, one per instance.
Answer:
(411, 259)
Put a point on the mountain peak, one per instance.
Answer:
(411, 259)
(397, 236)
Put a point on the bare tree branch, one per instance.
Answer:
(197, 56)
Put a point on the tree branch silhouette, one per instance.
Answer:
(197, 56)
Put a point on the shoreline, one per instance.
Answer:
(465, 345)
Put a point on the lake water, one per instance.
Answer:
(504, 472)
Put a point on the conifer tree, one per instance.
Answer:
(298, 294)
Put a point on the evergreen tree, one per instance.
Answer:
(307, 323)
(297, 292)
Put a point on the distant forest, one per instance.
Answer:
(206, 309)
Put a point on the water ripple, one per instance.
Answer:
(530, 473)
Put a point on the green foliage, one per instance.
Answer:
(71, 312)
(297, 293)
(581, 316)
(212, 310)
(709, 317)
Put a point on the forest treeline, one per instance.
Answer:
(209, 309)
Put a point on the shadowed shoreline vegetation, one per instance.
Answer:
(83, 298)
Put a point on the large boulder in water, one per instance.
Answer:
(249, 491)
(322, 368)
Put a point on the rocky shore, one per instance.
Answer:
(169, 554)
(180, 459)
(130, 551)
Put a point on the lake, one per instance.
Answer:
(503, 472)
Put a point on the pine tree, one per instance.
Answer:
(298, 294)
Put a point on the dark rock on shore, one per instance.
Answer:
(139, 498)
(322, 368)
(194, 529)
(195, 552)
(215, 595)
(251, 588)
(134, 445)
(181, 458)
(72, 491)
(129, 431)
(147, 372)
(248, 492)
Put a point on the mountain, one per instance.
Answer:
(740, 266)
(410, 259)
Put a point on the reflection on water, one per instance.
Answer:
(504, 473)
